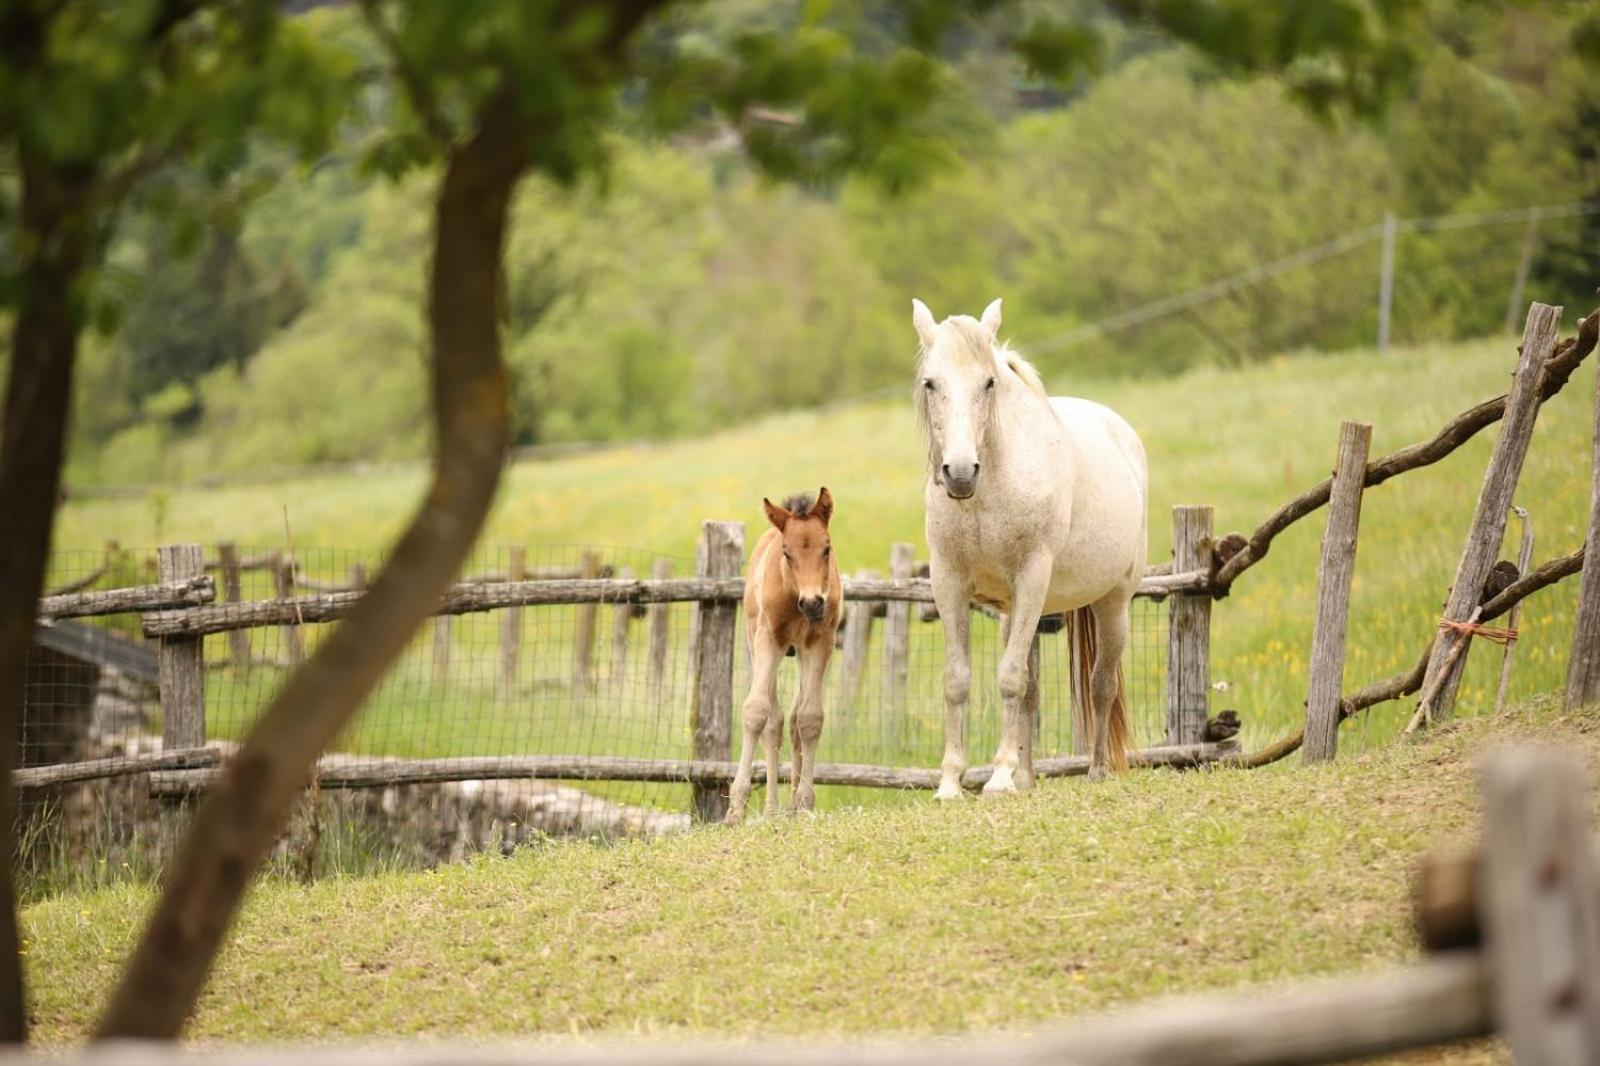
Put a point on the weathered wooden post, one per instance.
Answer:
(721, 555)
(238, 639)
(180, 661)
(1189, 631)
(660, 623)
(1583, 667)
(357, 580)
(1334, 575)
(857, 639)
(283, 577)
(583, 642)
(511, 626)
(1488, 528)
(1540, 903)
(897, 628)
(621, 616)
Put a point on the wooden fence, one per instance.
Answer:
(182, 606)
(1511, 930)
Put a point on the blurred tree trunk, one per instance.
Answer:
(246, 810)
(55, 234)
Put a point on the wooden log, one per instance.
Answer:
(1540, 891)
(660, 630)
(711, 774)
(857, 641)
(164, 595)
(897, 633)
(233, 592)
(1334, 575)
(181, 659)
(1494, 501)
(1583, 665)
(469, 598)
(283, 577)
(442, 644)
(583, 635)
(622, 615)
(1437, 1001)
(1189, 631)
(511, 629)
(115, 766)
(721, 555)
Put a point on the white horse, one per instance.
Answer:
(1035, 505)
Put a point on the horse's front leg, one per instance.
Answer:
(760, 706)
(1027, 601)
(951, 596)
(808, 721)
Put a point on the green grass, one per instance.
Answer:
(1243, 440)
(913, 919)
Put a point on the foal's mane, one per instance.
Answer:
(799, 506)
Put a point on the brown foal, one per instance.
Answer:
(792, 603)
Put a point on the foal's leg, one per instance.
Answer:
(951, 596)
(808, 721)
(1111, 637)
(759, 706)
(1027, 600)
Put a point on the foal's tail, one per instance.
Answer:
(1085, 646)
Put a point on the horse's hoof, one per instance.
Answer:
(733, 817)
(1025, 782)
(949, 792)
(1098, 773)
(1001, 783)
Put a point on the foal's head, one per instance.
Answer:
(961, 374)
(806, 548)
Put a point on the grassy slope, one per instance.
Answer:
(1244, 440)
(908, 919)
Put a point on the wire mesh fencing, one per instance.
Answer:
(602, 681)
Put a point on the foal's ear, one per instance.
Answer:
(991, 318)
(922, 318)
(823, 508)
(775, 514)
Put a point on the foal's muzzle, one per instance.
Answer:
(812, 607)
(960, 479)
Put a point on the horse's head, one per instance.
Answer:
(806, 548)
(957, 383)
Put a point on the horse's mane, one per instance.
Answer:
(799, 506)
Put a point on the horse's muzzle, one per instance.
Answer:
(960, 479)
(813, 608)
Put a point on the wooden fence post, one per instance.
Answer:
(660, 622)
(1540, 900)
(1334, 575)
(583, 642)
(232, 592)
(1189, 631)
(897, 629)
(721, 555)
(181, 661)
(441, 649)
(511, 627)
(1443, 675)
(1583, 666)
(358, 577)
(857, 640)
(283, 577)
(619, 635)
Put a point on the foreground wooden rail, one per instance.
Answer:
(190, 592)
(469, 598)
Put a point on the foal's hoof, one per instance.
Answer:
(1098, 773)
(1001, 783)
(804, 803)
(734, 816)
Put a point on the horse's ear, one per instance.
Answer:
(991, 318)
(775, 514)
(823, 508)
(922, 318)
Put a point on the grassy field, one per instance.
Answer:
(1243, 440)
(914, 919)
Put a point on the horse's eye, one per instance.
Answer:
(827, 551)
(989, 384)
(927, 383)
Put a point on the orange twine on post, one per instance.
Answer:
(1474, 629)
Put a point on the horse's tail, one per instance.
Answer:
(1085, 646)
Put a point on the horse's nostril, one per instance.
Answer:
(946, 469)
